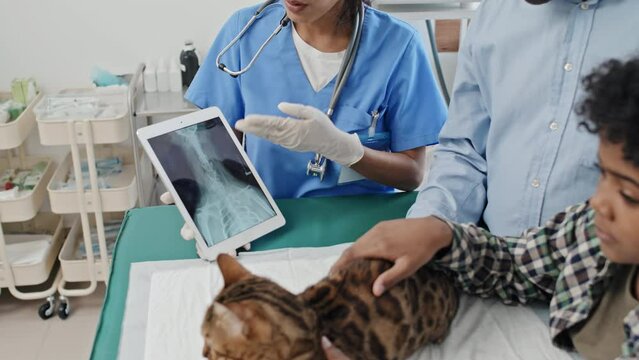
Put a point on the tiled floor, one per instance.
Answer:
(24, 336)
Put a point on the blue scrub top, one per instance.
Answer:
(391, 75)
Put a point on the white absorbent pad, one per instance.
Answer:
(178, 298)
(26, 249)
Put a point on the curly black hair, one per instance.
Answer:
(611, 107)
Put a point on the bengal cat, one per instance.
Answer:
(254, 318)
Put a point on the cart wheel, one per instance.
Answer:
(46, 310)
(64, 309)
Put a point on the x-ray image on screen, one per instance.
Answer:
(212, 179)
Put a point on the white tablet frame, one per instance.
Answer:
(238, 240)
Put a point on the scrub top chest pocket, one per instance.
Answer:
(368, 125)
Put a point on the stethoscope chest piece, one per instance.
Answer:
(316, 167)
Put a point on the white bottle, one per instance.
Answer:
(150, 82)
(175, 76)
(162, 76)
(31, 90)
(4, 118)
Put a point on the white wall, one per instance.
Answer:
(59, 41)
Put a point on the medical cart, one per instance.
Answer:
(29, 240)
(90, 136)
(145, 108)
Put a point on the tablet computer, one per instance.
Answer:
(216, 188)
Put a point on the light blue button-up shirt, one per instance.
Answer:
(512, 152)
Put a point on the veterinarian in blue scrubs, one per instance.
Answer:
(388, 111)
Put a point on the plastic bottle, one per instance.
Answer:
(162, 76)
(175, 76)
(150, 82)
(190, 63)
(4, 118)
(32, 90)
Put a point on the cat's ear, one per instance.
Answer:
(319, 294)
(227, 321)
(232, 270)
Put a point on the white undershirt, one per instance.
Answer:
(320, 67)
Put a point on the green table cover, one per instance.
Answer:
(152, 234)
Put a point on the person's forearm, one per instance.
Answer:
(513, 269)
(402, 170)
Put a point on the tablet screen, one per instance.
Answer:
(212, 179)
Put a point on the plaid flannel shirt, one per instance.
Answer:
(560, 262)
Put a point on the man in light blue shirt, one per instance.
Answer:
(512, 153)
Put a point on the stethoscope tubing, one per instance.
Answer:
(218, 60)
(347, 64)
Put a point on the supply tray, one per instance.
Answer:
(27, 205)
(120, 197)
(26, 275)
(75, 268)
(14, 133)
(111, 127)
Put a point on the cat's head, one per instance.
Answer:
(254, 318)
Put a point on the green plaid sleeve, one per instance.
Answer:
(630, 349)
(515, 269)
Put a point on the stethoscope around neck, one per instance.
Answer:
(316, 166)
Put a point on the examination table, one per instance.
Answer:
(152, 234)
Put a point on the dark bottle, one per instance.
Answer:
(190, 63)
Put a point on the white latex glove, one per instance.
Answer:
(308, 129)
(186, 232)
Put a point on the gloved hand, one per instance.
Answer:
(308, 129)
(186, 232)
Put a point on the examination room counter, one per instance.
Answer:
(152, 234)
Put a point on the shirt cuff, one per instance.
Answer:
(425, 207)
(403, 144)
(445, 255)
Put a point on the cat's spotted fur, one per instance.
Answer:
(254, 318)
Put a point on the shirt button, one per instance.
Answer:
(553, 126)
(568, 67)
(535, 183)
(584, 6)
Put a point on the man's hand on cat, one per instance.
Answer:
(408, 243)
(186, 232)
(331, 352)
